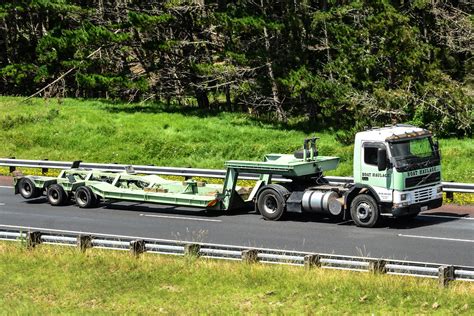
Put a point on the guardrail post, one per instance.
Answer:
(84, 242)
(44, 170)
(450, 195)
(192, 250)
(312, 261)
(377, 266)
(33, 239)
(12, 168)
(137, 247)
(445, 275)
(250, 256)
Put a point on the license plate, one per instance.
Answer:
(423, 208)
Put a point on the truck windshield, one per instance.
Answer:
(413, 154)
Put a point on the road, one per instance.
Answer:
(429, 238)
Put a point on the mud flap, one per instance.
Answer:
(293, 204)
(237, 203)
(16, 180)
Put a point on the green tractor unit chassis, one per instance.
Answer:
(396, 173)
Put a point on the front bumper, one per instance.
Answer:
(416, 208)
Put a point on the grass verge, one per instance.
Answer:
(100, 131)
(61, 280)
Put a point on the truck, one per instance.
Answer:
(396, 169)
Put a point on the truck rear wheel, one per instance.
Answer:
(56, 195)
(85, 198)
(364, 211)
(271, 202)
(27, 189)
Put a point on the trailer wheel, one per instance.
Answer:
(28, 190)
(85, 198)
(56, 195)
(364, 211)
(271, 202)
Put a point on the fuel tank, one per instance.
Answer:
(325, 202)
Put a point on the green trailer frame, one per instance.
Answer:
(127, 186)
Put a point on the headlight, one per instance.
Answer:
(403, 197)
(439, 189)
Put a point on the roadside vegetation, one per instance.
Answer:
(51, 279)
(341, 63)
(102, 131)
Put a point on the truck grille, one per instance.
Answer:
(423, 195)
(413, 181)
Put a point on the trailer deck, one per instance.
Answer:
(285, 165)
(127, 186)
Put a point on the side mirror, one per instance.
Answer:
(382, 159)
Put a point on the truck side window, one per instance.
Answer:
(370, 155)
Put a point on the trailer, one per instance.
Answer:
(394, 176)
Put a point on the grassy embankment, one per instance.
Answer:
(100, 131)
(62, 280)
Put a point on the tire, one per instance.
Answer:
(56, 195)
(271, 202)
(27, 189)
(365, 211)
(85, 198)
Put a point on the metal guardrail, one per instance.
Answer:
(444, 273)
(449, 187)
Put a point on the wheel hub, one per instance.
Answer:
(364, 211)
(270, 204)
(82, 196)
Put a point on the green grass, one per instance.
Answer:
(51, 280)
(99, 131)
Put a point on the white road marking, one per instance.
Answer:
(2, 204)
(436, 238)
(181, 217)
(6, 187)
(344, 222)
(441, 216)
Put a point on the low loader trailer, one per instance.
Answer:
(396, 174)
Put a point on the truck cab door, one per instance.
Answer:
(379, 181)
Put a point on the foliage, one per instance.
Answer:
(333, 62)
(153, 133)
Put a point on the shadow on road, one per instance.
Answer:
(446, 214)
(423, 220)
(173, 210)
(41, 200)
(391, 223)
(419, 221)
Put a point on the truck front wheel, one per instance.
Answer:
(85, 198)
(364, 211)
(271, 202)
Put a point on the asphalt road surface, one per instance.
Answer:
(437, 237)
